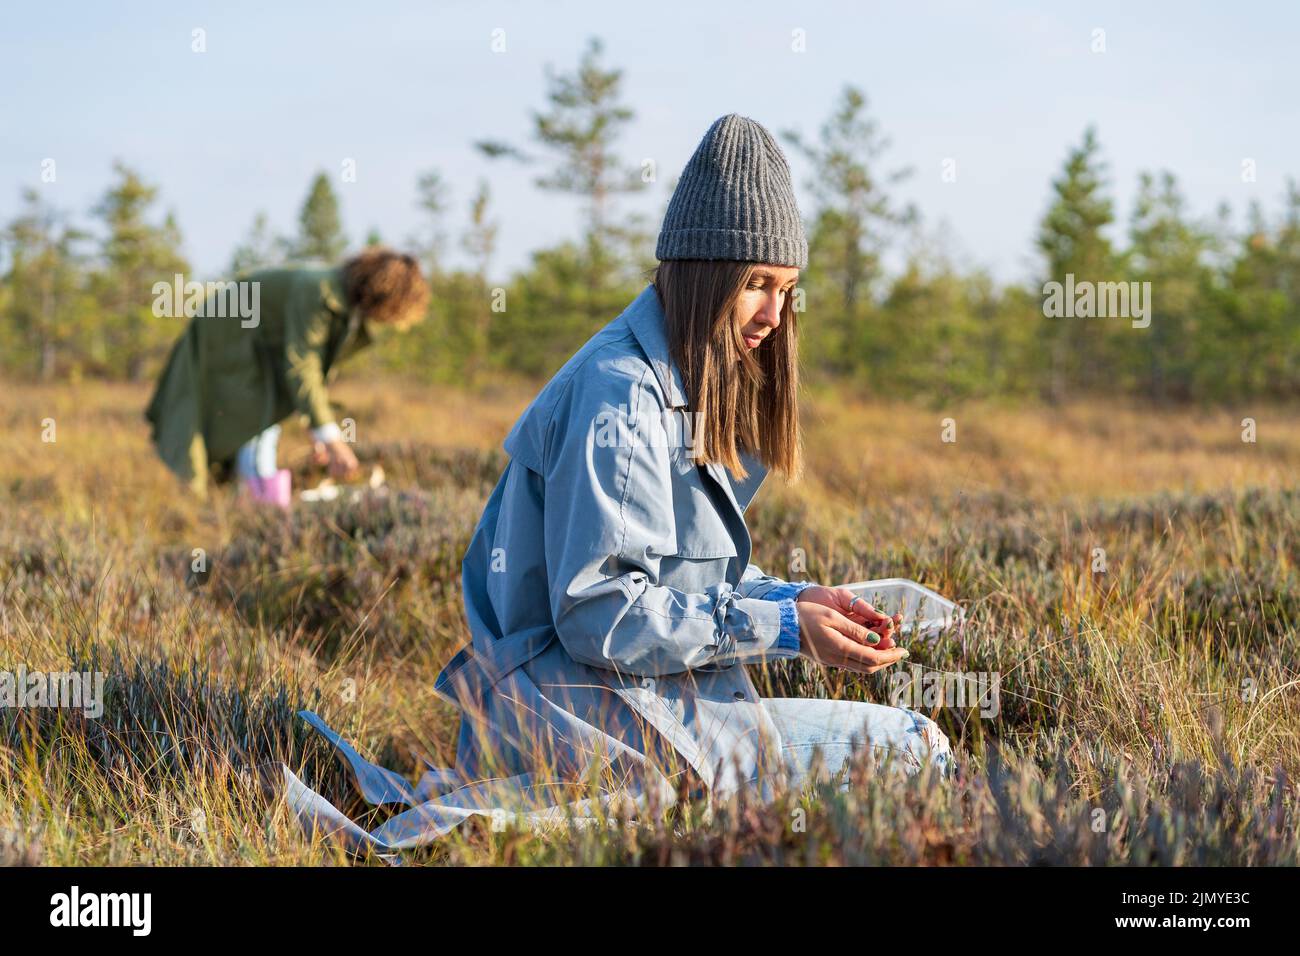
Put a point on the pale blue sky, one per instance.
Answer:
(1003, 88)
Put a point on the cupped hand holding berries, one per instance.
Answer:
(856, 609)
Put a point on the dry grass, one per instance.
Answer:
(1162, 695)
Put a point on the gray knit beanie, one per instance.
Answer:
(735, 201)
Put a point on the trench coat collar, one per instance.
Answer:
(645, 317)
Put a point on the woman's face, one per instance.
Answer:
(758, 310)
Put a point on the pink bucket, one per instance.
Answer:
(275, 490)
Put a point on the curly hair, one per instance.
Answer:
(387, 286)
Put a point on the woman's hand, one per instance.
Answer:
(338, 456)
(828, 637)
(855, 609)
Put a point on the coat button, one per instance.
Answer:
(739, 695)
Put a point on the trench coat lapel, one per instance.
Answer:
(645, 317)
(740, 493)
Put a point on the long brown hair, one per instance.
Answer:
(747, 399)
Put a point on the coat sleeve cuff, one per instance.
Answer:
(756, 631)
(329, 432)
(788, 642)
(788, 590)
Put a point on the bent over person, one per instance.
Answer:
(230, 381)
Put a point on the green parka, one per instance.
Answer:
(225, 382)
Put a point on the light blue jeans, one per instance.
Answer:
(257, 456)
(841, 728)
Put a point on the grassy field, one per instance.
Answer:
(1150, 712)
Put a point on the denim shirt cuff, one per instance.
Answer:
(788, 642)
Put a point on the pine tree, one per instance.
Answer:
(1255, 350)
(853, 219)
(259, 250)
(579, 130)
(134, 255)
(479, 242)
(44, 287)
(1167, 250)
(1071, 241)
(431, 199)
(320, 230)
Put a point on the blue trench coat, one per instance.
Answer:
(608, 586)
(611, 604)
